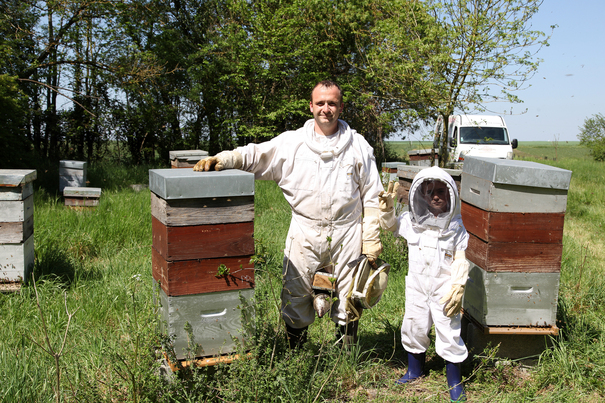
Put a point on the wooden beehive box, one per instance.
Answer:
(16, 224)
(423, 157)
(81, 196)
(72, 174)
(202, 221)
(186, 158)
(511, 299)
(514, 212)
(216, 320)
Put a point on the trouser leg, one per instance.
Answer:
(296, 337)
(347, 334)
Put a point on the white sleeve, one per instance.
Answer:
(264, 159)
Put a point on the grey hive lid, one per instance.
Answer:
(185, 183)
(515, 172)
(81, 191)
(72, 164)
(17, 177)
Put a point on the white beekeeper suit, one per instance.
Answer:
(329, 181)
(436, 247)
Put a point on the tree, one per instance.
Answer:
(592, 135)
(490, 52)
(434, 57)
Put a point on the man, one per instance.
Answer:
(328, 175)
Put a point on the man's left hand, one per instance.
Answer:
(372, 250)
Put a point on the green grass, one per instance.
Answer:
(538, 150)
(96, 265)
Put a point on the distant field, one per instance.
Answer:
(541, 150)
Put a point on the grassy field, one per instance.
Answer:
(90, 322)
(537, 150)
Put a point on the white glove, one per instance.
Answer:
(387, 201)
(454, 306)
(222, 160)
(460, 268)
(370, 235)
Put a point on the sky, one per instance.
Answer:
(570, 83)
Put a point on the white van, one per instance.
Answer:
(476, 135)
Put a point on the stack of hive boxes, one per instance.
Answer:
(514, 213)
(203, 225)
(72, 174)
(186, 158)
(16, 225)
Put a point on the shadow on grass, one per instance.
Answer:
(53, 262)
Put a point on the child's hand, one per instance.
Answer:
(388, 199)
(454, 306)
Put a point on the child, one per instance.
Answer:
(438, 271)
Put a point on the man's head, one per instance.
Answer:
(326, 105)
(437, 196)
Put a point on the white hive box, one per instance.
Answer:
(16, 224)
(511, 299)
(72, 174)
(81, 196)
(514, 186)
(186, 158)
(17, 261)
(215, 319)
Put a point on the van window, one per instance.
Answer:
(483, 135)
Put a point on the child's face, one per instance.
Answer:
(436, 195)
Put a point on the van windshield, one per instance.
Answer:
(483, 135)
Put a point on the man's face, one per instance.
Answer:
(326, 106)
(436, 195)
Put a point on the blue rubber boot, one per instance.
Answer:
(415, 368)
(454, 382)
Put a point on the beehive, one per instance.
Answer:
(81, 196)
(186, 158)
(511, 299)
(72, 174)
(423, 157)
(202, 225)
(16, 224)
(514, 212)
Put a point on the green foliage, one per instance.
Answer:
(12, 118)
(100, 260)
(592, 135)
